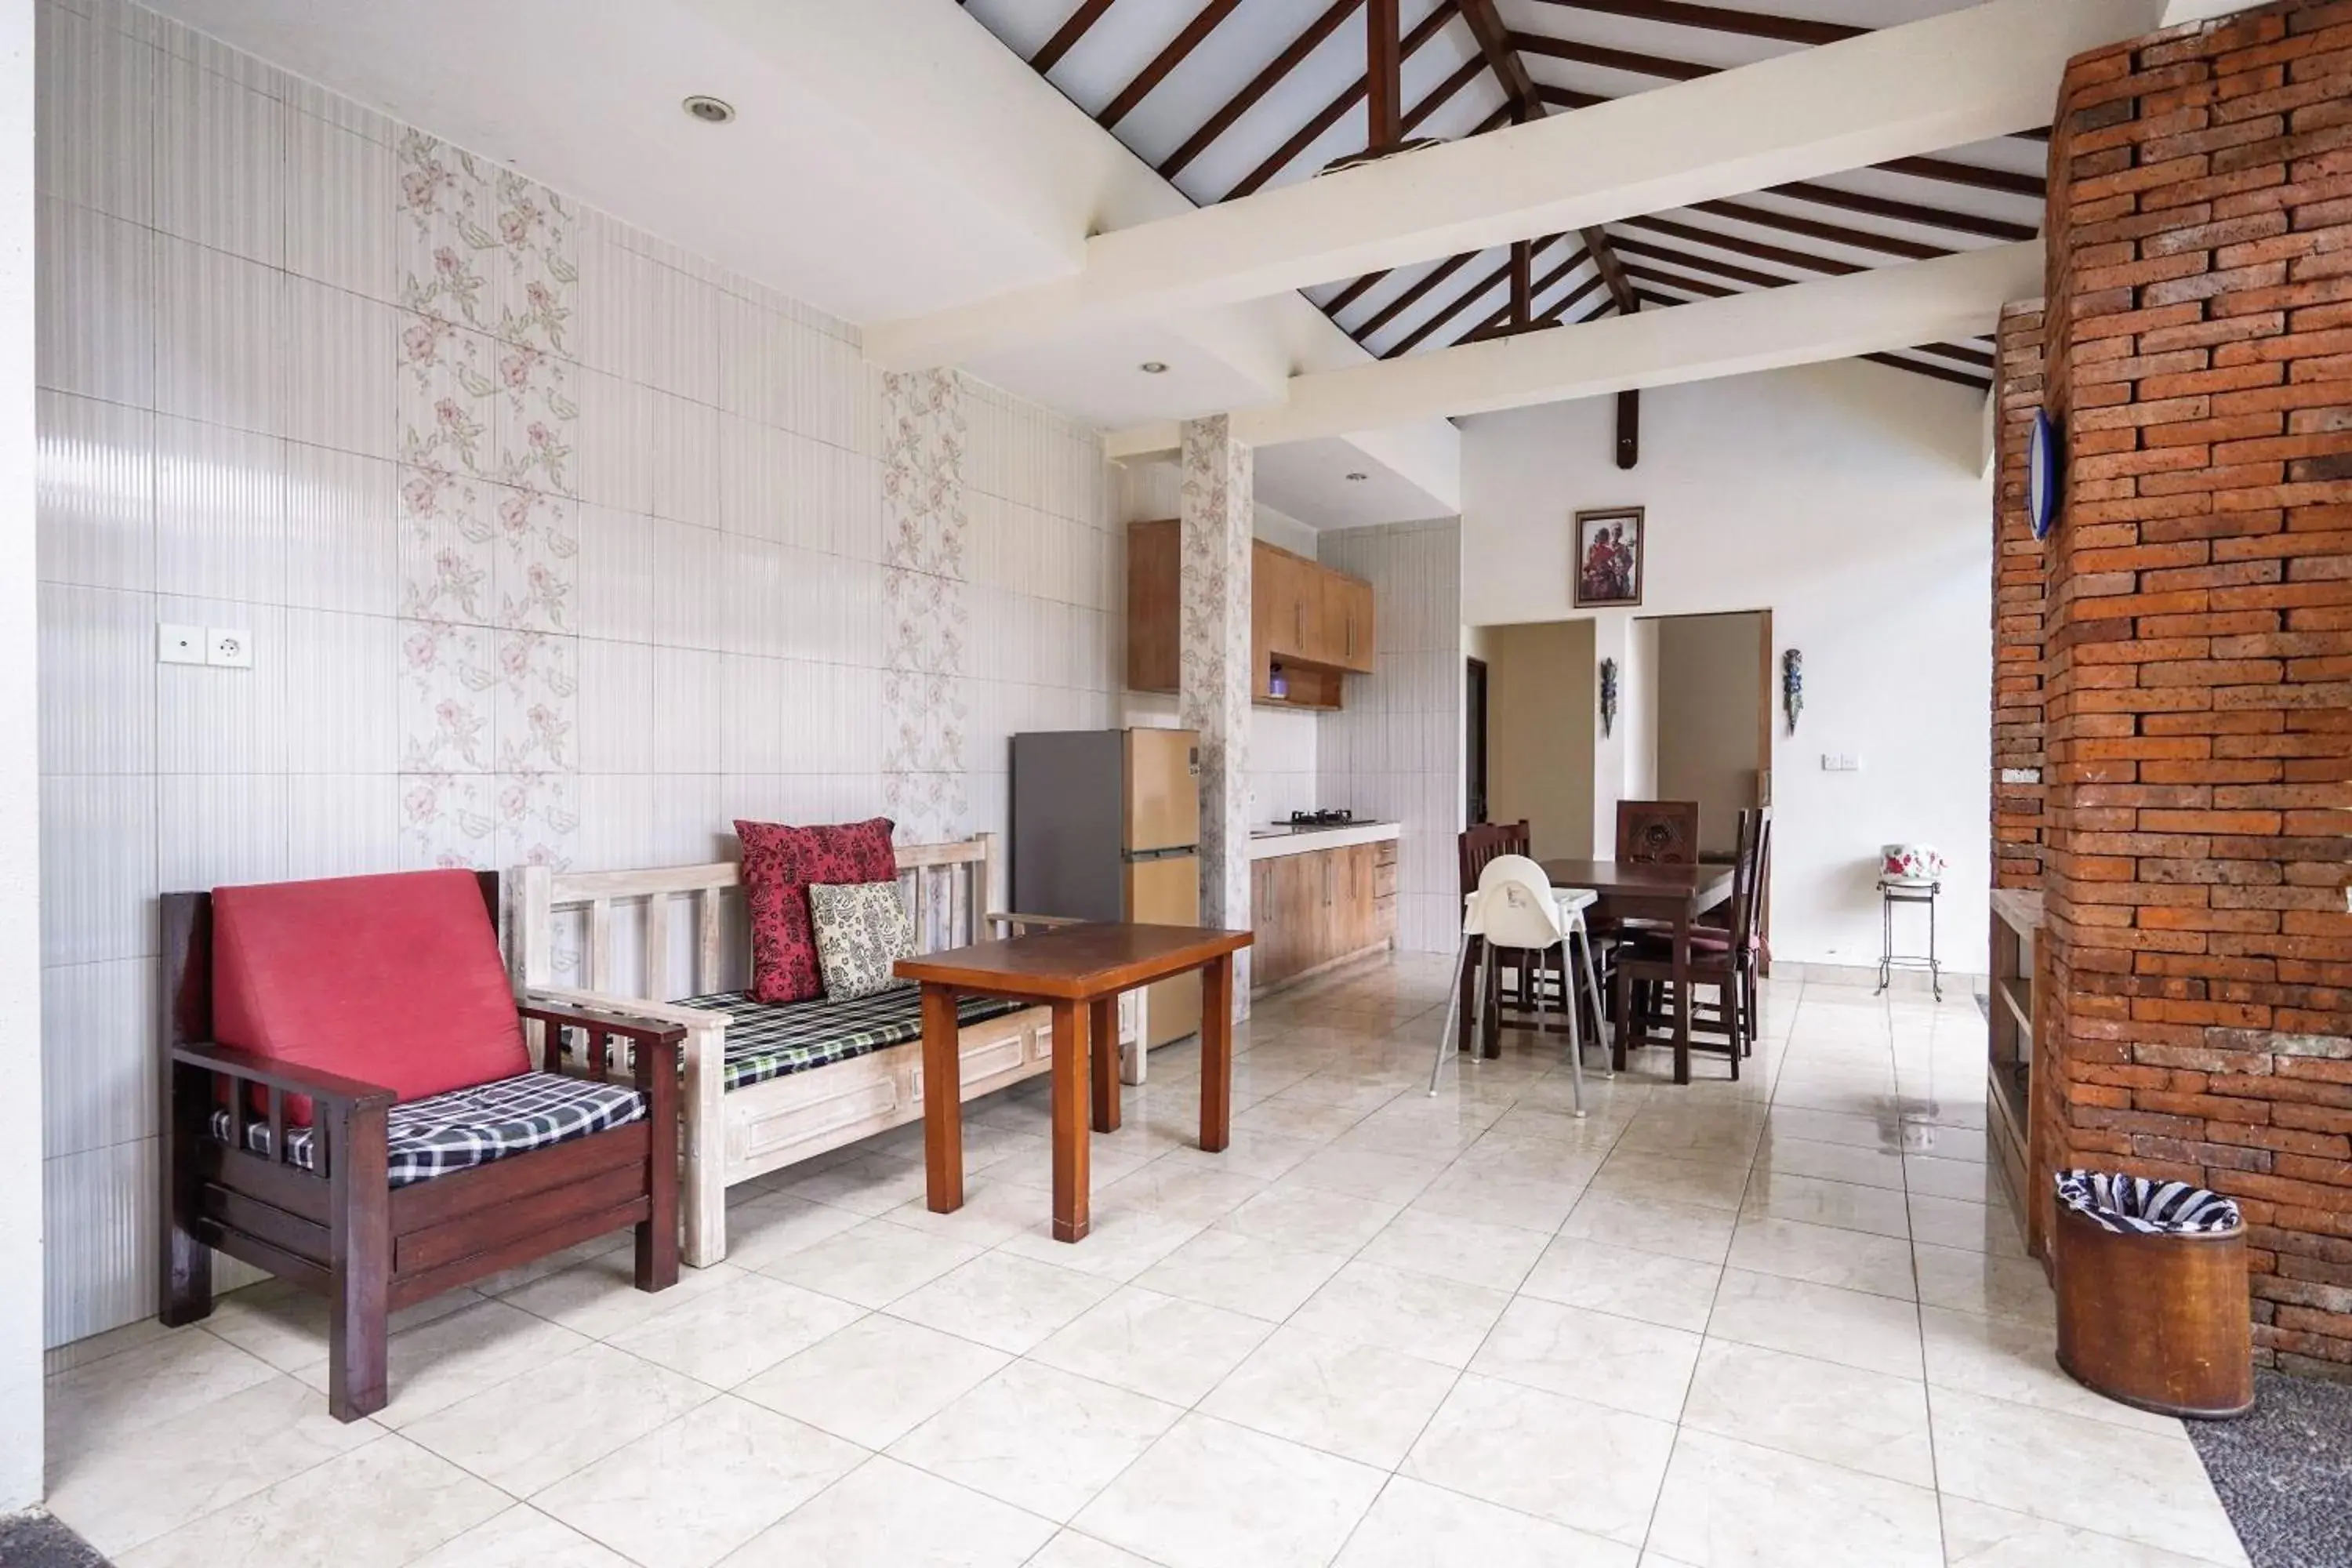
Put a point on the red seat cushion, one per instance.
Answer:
(393, 980)
(779, 864)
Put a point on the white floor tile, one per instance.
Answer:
(889, 1515)
(998, 1299)
(1869, 1421)
(1600, 1468)
(1418, 1314)
(1358, 1400)
(1626, 1281)
(1212, 1495)
(1622, 1362)
(1415, 1525)
(1037, 1437)
(1728, 1504)
(1163, 1346)
(874, 1380)
(744, 1327)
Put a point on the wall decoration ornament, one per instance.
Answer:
(1792, 686)
(1213, 676)
(1609, 557)
(926, 514)
(2043, 450)
(1608, 697)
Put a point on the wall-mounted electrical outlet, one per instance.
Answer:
(230, 647)
(179, 645)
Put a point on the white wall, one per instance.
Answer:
(1845, 497)
(20, 928)
(1710, 687)
(697, 560)
(1540, 731)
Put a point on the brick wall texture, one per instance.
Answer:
(2198, 637)
(2019, 801)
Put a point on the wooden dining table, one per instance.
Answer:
(1078, 971)
(1673, 895)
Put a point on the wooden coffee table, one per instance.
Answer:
(1079, 971)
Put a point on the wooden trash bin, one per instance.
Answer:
(2152, 1301)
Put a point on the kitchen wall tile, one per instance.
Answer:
(217, 830)
(339, 208)
(616, 708)
(211, 720)
(95, 305)
(95, 101)
(343, 530)
(99, 1218)
(338, 393)
(95, 499)
(98, 686)
(220, 513)
(616, 574)
(98, 867)
(688, 713)
(341, 674)
(685, 438)
(341, 824)
(219, 342)
(220, 169)
(97, 1054)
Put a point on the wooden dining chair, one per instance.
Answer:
(1723, 959)
(1478, 844)
(1658, 832)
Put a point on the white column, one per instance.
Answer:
(1214, 689)
(20, 831)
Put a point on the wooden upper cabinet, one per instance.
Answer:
(1154, 606)
(1311, 620)
(1347, 623)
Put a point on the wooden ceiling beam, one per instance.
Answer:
(1478, 290)
(1412, 296)
(1354, 291)
(1610, 58)
(1542, 286)
(1501, 47)
(1744, 246)
(1650, 273)
(1977, 357)
(1242, 102)
(1905, 212)
(1383, 83)
(1188, 38)
(1974, 174)
(1552, 316)
(1715, 18)
(1812, 228)
(1066, 37)
(1959, 378)
(1331, 113)
(1730, 270)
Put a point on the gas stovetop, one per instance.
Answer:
(1329, 817)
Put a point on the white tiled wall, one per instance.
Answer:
(554, 543)
(1395, 751)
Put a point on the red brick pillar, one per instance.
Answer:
(2200, 635)
(2018, 790)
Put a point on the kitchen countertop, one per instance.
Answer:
(1273, 840)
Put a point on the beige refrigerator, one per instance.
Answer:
(1106, 826)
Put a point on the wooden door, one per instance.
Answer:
(1153, 606)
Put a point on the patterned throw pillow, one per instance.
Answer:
(862, 930)
(779, 864)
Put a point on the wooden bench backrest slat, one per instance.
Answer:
(946, 888)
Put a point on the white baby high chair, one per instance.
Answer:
(1516, 906)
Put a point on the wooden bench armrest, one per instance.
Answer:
(332, 1089)
(1017, 924)
(641, 1028)
(653, 1042)
(631, 1009)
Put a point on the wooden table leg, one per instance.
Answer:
(1102, 1031)
(1217, 1053)
(1072, 1057)
(1682, 993)
(942, 1102)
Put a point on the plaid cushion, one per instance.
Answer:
(468, 1127)
(768, 1041)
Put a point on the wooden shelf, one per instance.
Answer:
(2018, 998)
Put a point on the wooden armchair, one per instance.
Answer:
(350, 1104)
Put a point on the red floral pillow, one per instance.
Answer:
(779, 864)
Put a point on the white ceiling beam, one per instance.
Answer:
(1965, 76)
(1867, 312)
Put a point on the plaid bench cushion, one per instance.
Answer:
(468, 1127)
(766, 1041)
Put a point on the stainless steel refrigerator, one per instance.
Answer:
(1106, 826)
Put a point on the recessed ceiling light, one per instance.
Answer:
(1153, 367)
(1358, 479)
(708, 110)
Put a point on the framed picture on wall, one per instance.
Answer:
(1609, 557)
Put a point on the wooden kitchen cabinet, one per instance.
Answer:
(1320, 908)
(1313, 623)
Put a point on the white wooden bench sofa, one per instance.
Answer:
(765, 1086)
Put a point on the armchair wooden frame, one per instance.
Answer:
(734, 1136)
(337, 1228)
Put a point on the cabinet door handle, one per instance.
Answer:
(1298, 625)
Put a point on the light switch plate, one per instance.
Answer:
(179, 645)
(229, 647)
